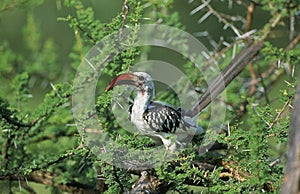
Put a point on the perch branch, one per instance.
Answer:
(228, 74)
(234, 68)
(148, 181)
(268, 72)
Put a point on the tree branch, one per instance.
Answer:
(148, 182)
(234, 68)
(47, 178)
(38, 175)
(228, 74)
(291, 182)
(268, 72)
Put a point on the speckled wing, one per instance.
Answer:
(162, 118)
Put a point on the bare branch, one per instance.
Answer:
(223, 20)
(228, 74)
(279, 113)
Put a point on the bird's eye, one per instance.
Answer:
(141, 78)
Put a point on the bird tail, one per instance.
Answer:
(192, 127)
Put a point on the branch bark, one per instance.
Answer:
(291, 182)
(228, 74)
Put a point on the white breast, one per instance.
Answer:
(137, 118)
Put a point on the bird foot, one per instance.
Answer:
(150, 145)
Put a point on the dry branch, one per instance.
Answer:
(228, 74)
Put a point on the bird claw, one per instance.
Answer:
(149, 145)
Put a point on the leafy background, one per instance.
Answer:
(42, 42)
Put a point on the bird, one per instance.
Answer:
(157, 120)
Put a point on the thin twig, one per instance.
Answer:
(125, 10)
(292, 25)
(223, 20)
(249, 16)
(286, 104)
(264, 86)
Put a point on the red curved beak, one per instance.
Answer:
(123, 79)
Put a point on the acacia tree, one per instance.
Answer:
(42, 145)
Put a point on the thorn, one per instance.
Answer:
(90, 64)
(228, 129)
(199, 8)
(54, 88)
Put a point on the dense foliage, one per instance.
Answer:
(40, 143)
